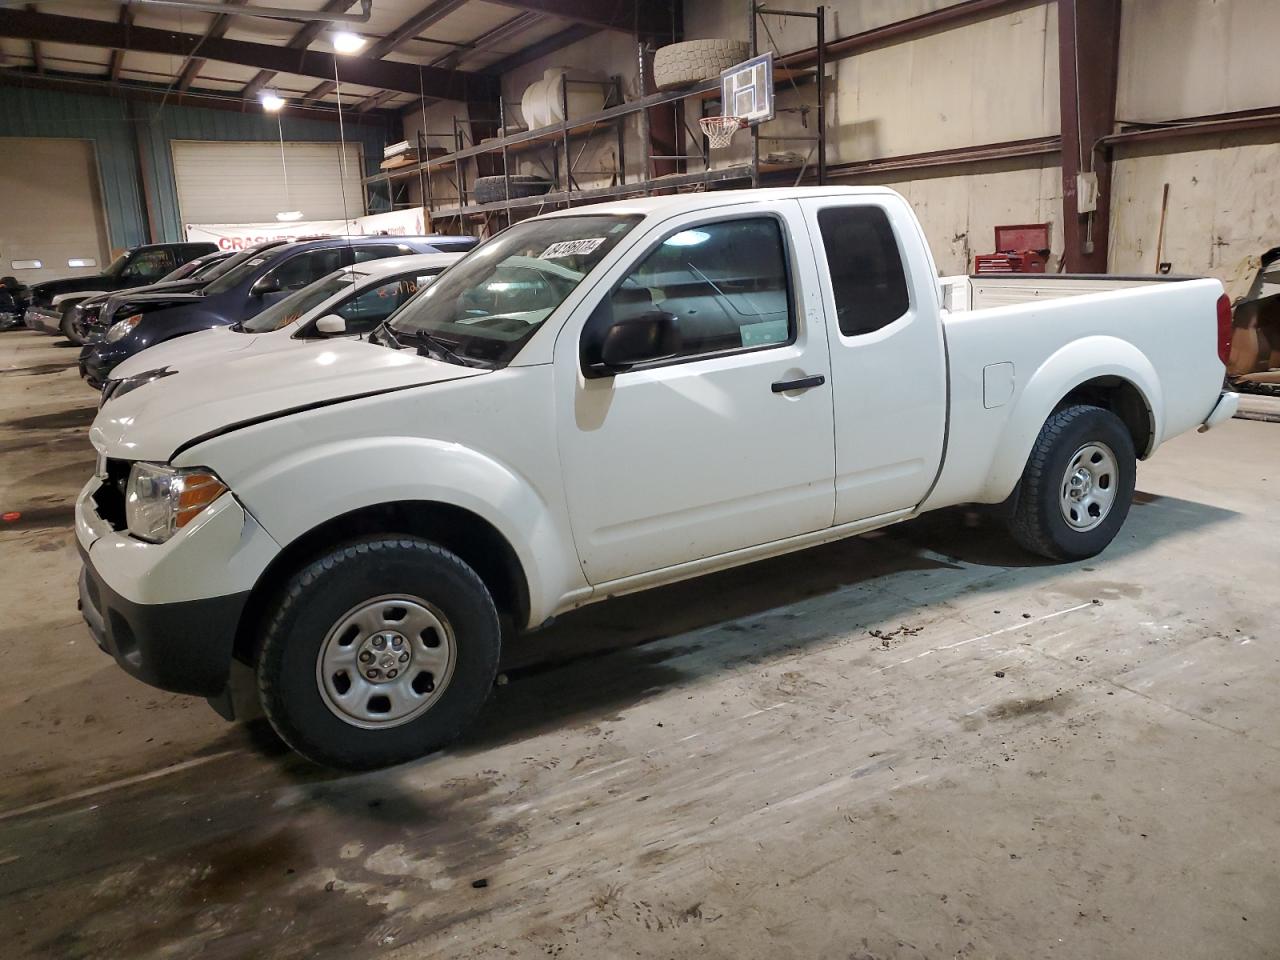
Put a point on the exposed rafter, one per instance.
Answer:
(579, 31)
(433, 13)
(37, 57)
(386, 75)
(300, 41)
(217, 29)
(155, 93)
(650, 17)
(117, 56)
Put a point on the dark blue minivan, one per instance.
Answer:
(140, 321)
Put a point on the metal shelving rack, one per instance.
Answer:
(560, 137)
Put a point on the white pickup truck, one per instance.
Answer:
(599, 401)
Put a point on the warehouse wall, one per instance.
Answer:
(1224, 196)
(985, 82)
(609, 53)
(26, 112)
(43, 113)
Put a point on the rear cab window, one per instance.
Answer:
(868, 282)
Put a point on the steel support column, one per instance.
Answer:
(1088, 64)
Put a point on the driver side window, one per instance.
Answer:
(727, 284)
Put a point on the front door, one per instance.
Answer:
(710, 451)
(887, 356)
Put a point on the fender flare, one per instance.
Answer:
(1076, 363)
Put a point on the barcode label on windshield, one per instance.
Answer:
(570, 248)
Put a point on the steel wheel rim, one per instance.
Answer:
(1089, 486)
(362, 672)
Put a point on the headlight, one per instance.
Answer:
(123, 328)
(160, 499)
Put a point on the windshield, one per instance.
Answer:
(491, 302)
(284, 312)
(116, 265)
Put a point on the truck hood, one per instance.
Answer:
(167, 287)
(183, 353)
(155, 419)
(43, 293)
(152, 301)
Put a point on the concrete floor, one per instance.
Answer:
(919, 743)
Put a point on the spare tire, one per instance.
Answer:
(680, 64)
(493, 189)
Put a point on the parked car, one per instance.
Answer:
(595, 402)
(14, 297)
(51, 301)
(145, 319)
(349, 302)
(86, 316)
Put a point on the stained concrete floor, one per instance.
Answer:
(919, 743)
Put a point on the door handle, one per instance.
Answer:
(804, 383)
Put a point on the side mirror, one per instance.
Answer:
(331, 325)
(265, 286)
(616, 345)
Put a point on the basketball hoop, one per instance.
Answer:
(720, 130)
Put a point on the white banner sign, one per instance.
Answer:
(237, 236)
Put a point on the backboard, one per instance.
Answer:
(746, 89)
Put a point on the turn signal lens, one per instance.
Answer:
(195, 492)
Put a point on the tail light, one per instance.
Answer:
(1224, 329)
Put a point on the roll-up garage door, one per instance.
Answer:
(53, 224)
(233, 182)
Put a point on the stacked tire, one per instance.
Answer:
(681, 64)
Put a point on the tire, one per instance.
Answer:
(1047, 518)
(300, 687)
(68, 328)
(493, 189)
(681, 64)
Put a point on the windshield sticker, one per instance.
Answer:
(571, 248)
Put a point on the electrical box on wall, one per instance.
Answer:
(1086, 192)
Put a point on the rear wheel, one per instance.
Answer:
(1077, 486)
(378, 652)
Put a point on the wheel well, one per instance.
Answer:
(1124, 400)
(469, 535)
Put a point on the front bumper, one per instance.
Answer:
(183, 647)
(44, 319)
(1224, 409)
(168, 612)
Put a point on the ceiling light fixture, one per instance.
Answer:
(346, 42)
(289, 215)
(271, 101)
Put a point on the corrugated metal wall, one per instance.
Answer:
(43, 113)
(28, 112)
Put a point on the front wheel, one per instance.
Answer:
(68, 326)
(1077, 486)
(378, 652)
